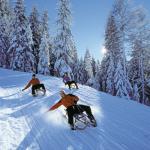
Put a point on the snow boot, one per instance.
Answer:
(34, 95)
(72, 127)
(93, 121)
(94, 124)
(44, 91)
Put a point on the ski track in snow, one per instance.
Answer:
(25, 125)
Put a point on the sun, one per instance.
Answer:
(103, 50)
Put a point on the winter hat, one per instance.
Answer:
(33, 75)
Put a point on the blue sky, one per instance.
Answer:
(89, 20)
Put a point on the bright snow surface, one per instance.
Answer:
(24, 125)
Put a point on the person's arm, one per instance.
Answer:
(38, 80)
(55, 106)
(76, 98)
(27, 86)
(64, 80)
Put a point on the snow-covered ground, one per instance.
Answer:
(24, 125)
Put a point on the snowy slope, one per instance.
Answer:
(24, 125)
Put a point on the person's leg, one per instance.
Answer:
(77, 109)
(42, 86)
(70, 113)
(69, 84)
(75, 84)
(88, 111)
(34, 87)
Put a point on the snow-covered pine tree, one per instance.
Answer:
(97, 78)
(43, 65)
(122, 13)
(89, 68)
(98, 66)
(65, 50)
(36, 34)
(140, 44)
(20, 50)
(88, 64)
(6, 14)
(44, 24)
(94, 80)
(45, 29)
(61, 67)
(81, 75)
(112, 45)
(110, 77)
(137, 68)
(136, 95)
(103, 72)
(94, 66)
(147, 92)
(75, 71)
(119, 82)
(115, 48)
(74, 63)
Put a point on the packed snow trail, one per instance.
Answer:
(24, 125)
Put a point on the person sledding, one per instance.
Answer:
(36, 85)
(68, 81)
(72, 108)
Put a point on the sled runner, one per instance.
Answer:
(72, 86)
(39, 92)
(81, 121)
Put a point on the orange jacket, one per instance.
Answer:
(32, 82)
(68, 100)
